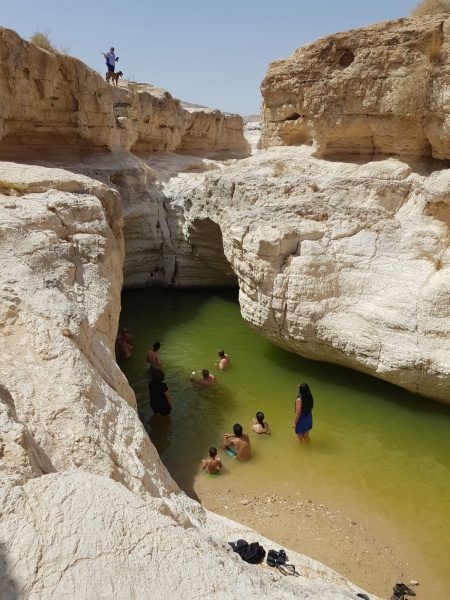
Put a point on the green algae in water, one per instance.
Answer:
(374, 446)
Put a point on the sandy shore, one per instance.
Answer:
(364, 550)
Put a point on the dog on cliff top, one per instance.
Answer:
(113, 76)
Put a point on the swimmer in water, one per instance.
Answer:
(258, 424)
(153, 360)
(239, 441)
(213, 464)
(206, 380)
(223, 362)
(124, 343)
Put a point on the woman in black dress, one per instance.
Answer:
(160, 401)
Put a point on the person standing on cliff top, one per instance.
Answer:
(111, 59)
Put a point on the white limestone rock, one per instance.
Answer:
(86, 537)
(339, 262)
(53, 105)
(381, 89)
(87, 510)
(252, 133)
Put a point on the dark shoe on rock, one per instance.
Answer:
(401, 590)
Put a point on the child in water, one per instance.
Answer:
(258, 424)
(213, 464)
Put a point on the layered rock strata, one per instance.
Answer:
(381, 89)
(157, 251)
(87, 510)
(53, 105)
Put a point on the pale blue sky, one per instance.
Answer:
(206, 52)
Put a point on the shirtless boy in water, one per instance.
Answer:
(153, 360)
(213, 464)
(240, 442)
(223, 362)
(206, 380)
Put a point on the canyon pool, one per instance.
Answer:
(375, 448)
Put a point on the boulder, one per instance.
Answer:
(339, 262)
(381, 89)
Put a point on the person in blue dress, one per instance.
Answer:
(303, 413)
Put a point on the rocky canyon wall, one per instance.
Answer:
(381, 89)
(56, 111)
(87, 510)
(53, 105)
(344, 261)
(340, 262)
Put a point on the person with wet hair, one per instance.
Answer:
(303, 413)
(153, 359)
(224, 360)
(240, 442)
(160, 401)
(258, 424)
(212, 464)
(206, 380)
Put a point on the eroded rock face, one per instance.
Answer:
(62, 251)
(84, 536)
(53, 105)
(382, 89)
(157, 249)
(252, 133)
(87, 510)
(340, 262)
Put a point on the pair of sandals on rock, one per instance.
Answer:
(278, 560)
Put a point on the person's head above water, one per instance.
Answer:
(158, 375)
(205, 373)
(237, 430)
(221, 353)
(260, 418)
(212, 452)
(156, 346)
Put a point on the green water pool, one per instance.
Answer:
(374, 446)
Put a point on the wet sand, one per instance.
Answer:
(366, 550)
